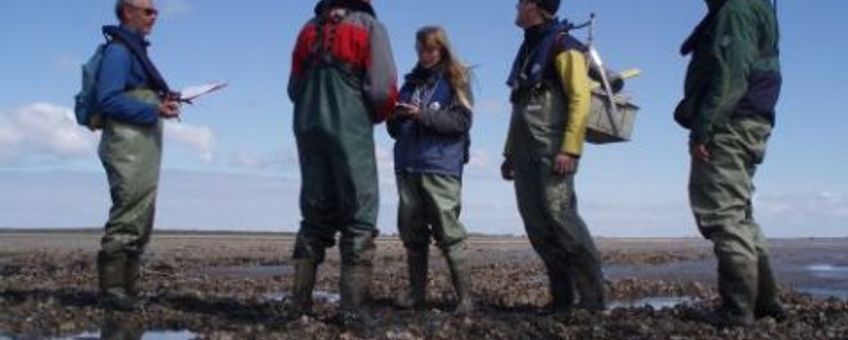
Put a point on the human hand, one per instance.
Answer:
(565, 164)
(507, 171)
(407, 110)
(169, 109)
(700, 152)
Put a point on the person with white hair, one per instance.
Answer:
(132, 101)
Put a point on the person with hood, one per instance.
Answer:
(431, 127)
(343, 81)
(132, 99)
(550, 97)
(731, 91)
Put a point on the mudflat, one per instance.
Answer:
(234, 286)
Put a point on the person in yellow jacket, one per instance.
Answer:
(550, 97)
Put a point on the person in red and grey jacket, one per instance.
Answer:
(343, 82)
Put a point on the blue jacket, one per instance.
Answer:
(122, 70)
(534, 63)
(437, 141)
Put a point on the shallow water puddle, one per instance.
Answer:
(828, 268)
(654, 302)
(825, 293)
(251, 271)
(318, 296)
(147, 335)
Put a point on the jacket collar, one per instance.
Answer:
(533, 35)
(126, 35)
(691, 42)
(715, 5)
(353, 5)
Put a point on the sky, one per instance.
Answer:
(231, 164)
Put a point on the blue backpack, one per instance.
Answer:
(85, 103)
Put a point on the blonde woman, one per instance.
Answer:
(430, 126)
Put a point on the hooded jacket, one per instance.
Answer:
(126, 66)
(437, 141)
(735, 67)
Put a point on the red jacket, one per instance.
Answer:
(346, 34)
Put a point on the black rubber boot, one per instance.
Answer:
(416, 262)
(561, 288)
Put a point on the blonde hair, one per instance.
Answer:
(457, 73)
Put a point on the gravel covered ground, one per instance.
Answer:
(220, 286)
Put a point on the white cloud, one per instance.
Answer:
(46, 132)
(43, 130)
(198, 138)
(280, 161)
(801, 208)
(245, 159)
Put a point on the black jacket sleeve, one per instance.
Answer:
(455, 119)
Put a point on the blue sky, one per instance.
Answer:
(231, 163)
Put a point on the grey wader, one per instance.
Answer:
(720, 193)
(429, 206)
(548, 204)
(131, 155)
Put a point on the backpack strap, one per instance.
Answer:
(321, 54)
(158, 82)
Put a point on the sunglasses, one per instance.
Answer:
(150, 12)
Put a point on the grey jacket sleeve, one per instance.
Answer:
(381, 76)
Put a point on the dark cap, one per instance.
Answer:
(550, 6)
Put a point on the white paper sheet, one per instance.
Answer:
(193, 92)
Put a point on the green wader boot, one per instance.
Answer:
(132, 274)
(304, 282)
(416, 262)
(112, 281)
(767, 296)
(355, 288)
(547, 201)
(131, 156)
(721, 192)
(461, 277)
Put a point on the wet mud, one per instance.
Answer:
(235, 287)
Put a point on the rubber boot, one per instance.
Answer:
(737, 284)
(304, 282)
(112, 281)
(416, 262)
(588, 279)
(561, 288)
(768, 304)
(355, 288)
(132, 275)
(121, 326)
(461, 277)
